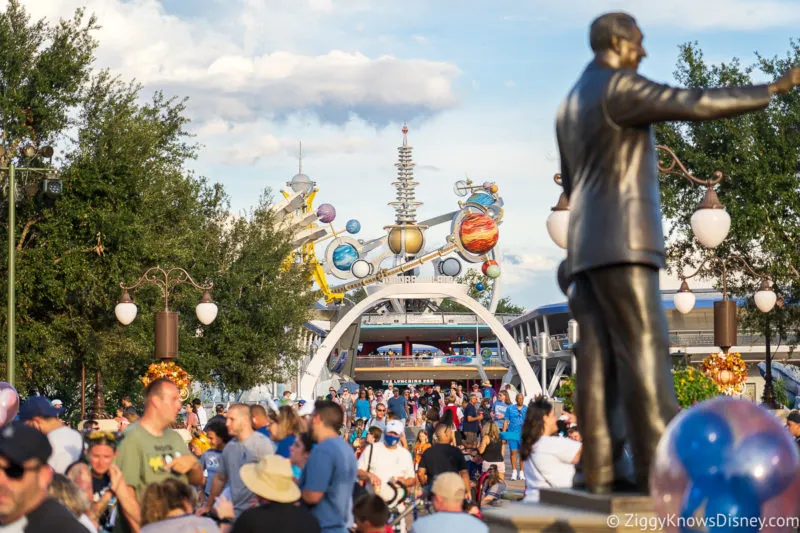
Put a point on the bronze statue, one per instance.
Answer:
(616, 245)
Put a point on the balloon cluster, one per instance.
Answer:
(737, 461)
(9, 403)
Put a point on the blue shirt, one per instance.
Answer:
(264, 430)
(398, 407)
(445, 521)
(331, 469)
(210, 463)
(282, 446)
(470, 410)
(363, 409)
(515, 417)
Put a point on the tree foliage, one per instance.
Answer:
(129, 203)
(471, 278)
(758, 153)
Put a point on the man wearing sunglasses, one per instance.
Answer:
(24, 480)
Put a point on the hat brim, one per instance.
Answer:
(267, 488)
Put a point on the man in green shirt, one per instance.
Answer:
(151, 452)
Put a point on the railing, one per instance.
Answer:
(405, 361)
(427, 318)
(705, 337)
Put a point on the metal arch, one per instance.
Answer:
(426, 290)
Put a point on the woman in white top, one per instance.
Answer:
(549, 459)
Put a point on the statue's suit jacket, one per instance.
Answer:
(608, 160)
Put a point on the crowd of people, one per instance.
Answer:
(371, 461)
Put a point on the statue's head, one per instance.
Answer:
(617, 37)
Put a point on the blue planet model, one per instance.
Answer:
(344, 256)
(481, 198)
(353, 226)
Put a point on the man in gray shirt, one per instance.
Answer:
(247, 446)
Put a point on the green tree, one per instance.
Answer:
(758, 153)
(130, 203)
(471, 278)
(692, 386)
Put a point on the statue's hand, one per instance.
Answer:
(787, 82)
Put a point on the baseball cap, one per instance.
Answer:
(37, 406)
(57, 403)
(19, 443)
(794, 416)
(449, 486)
(395, 426)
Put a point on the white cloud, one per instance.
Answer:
(509, 84)
(693, 14)
(228, 80)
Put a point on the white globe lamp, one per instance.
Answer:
(557, 227)
(684, 299)
(710, 221)
(361, 268)
(765, 297)
(206, 310)
(126, 310)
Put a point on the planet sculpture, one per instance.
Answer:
(406, 238)
(480, 286)
(478, 233)
(361, 269)
(344, 256)
(481, 198)
(486, 265)
(326, 213)
(493, 271)
(450, 267)
(353, 226)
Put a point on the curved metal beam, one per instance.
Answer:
(454, 291)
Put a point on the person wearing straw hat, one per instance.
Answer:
(272, 482)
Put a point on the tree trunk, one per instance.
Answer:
(83, 390)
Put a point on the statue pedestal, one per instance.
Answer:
(572, 511)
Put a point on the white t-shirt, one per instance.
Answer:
(550, 465)
(67, 446)
(202, 417)
(387, 463)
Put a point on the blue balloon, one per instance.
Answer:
(733, 509)
(480, 286)
(764, 460)
(703, 443)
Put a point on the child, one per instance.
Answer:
(121, 421)
(374, 434)
(358, 433)
(420, 447)
(199, 444)
(218, 436)
(371, 514)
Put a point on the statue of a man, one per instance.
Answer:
(616, 243)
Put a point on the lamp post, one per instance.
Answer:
(52, 187)
(166, 321)
(725, 313)
(710, 222)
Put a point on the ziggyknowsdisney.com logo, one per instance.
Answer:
(647, 522)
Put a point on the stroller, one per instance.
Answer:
(489, 488)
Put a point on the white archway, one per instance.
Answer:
(405, 290)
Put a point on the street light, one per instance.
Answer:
(29, 152)
(166, 321)
(710, 221)
(725, 310)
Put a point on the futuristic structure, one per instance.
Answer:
(388, 265)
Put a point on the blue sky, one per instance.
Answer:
(478, 82)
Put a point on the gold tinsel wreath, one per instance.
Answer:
(733, 363)
(172, 372)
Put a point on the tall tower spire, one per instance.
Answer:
(300, 158)
(405, 238)
(405, 205)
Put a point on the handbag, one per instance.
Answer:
(360, 490)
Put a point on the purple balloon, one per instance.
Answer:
(763, 459)
(670, 483)
(9, 403)
(326, 213)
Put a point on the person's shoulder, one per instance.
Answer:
(52, 516)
